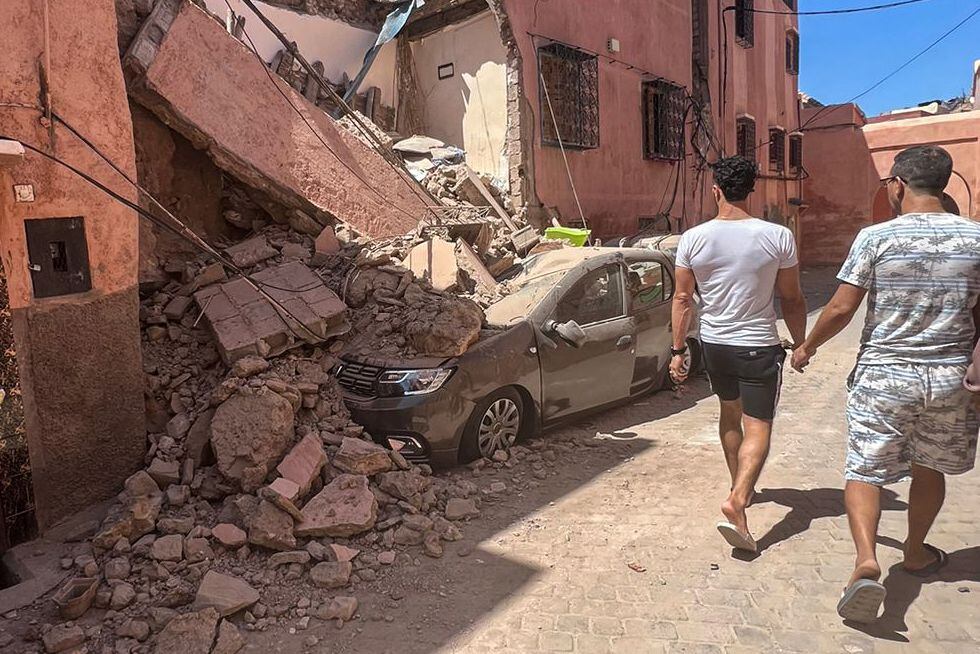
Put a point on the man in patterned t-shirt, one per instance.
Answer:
(908, 413)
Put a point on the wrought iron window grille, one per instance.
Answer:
(663, 120)
(572, 80)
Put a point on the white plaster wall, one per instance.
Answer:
(338, 45)
(468, 110)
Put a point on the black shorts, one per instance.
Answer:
(754, 374)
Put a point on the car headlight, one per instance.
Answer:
(393, 383)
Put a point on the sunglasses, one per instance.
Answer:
(886, 180)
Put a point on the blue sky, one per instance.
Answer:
(843, 55)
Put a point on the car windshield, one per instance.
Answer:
(529, 291)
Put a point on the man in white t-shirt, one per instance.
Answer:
(736, 263)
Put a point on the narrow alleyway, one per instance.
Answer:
(619, 554)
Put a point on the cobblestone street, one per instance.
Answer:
(621, 555)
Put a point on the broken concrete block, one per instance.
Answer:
(249, 432)
(164, 473)
(461, 509)
(303, 463)
(168, 548)
(63, 637)
(301, 557)
(285, 488)
(434, 260)
(197, 445)
(345, 507)
(177, 307)
(279, 493)
(249, 366)
(224, 593)
(360, 457)
(339, 608)
(271, 528)
(229, 641)
(252, 134)
(471, 264)
(331, 574)
(250, 252)
(247, 323)
(229, 535)
(326, 242)
(191, 633)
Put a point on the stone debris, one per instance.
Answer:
(249, 433)
(61, 638)
(331, 574)
(229, 536)
(191, 633)
(226, 594)
(345, 507)
(339, 608)
(360, 457)
(230, 640)
(271, 528)
(303, 463)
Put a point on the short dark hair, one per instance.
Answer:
(735, 176)
(924, 168)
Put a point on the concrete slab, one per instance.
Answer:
(244, 322)
(200, 80)
(37, 566)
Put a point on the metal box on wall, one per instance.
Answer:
(58, 256)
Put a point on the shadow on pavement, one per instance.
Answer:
(808, 505)
(428, 606)
(904, 588)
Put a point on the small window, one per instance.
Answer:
(663, 120)
(648, 285)
(595, 298)
(777, 149)
(792, 52)
(796, 154)
(744, 23)
(570, 79)
(791, 4)
(745, 137)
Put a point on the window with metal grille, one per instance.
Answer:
(663, 120)
(744, 23)
(699, 50)
(792, 52)
(777, 149)
(796, 154)
(745, 137)
(570, 79)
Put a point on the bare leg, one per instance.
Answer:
(730, 430)
(751, 459)
(863, 502)
(926, 498)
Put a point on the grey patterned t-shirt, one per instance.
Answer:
(922, 273)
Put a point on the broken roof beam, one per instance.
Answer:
(205, 84)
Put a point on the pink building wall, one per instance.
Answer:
(616, 185)
(846, 157)
(79, 354)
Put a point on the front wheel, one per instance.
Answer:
(495, 425)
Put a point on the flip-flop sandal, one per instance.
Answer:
(861, 601)
(737, 539)
(942, 558)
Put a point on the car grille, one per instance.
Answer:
(358, 378)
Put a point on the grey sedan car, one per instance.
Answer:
(582, 329)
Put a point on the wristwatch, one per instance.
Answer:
(678, 353)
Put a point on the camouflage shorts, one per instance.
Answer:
(898, 415)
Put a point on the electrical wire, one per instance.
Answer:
(892, 74)
(832, 12)
(156, 220)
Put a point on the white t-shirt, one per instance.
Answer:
(735, 263)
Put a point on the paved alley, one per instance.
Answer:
(620, 554)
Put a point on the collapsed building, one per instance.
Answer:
(201, 225)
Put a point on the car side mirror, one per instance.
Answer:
(570, 332)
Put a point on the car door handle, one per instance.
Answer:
(624, 342)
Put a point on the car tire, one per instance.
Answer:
(496, 423)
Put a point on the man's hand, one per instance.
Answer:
(801, 358)
(678, 373)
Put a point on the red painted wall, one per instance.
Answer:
(615, 184)
(846, 157)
